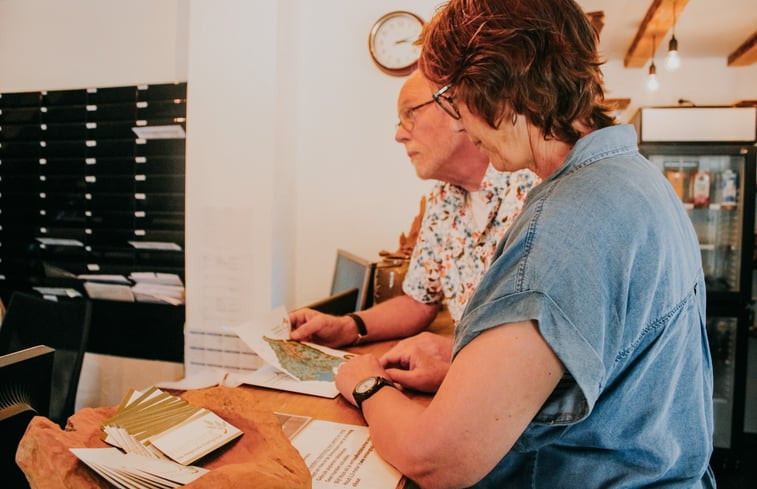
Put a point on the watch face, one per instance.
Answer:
(392, 41)
(366, 385)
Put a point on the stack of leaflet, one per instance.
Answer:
(138, 286)
(161, 435)
(107, 287)
(132, 471)
(157, 287)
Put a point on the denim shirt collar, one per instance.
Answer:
(598, 144)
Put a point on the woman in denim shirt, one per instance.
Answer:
(581, 361)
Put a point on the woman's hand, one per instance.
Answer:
(420, 362)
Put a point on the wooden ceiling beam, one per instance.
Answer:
(746, 54)
(618, 104)
(657, 22)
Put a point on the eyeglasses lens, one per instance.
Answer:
(407, 120)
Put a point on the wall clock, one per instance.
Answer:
(391, 42)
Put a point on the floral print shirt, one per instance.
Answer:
(452, 253)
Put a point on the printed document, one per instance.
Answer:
(339, 455)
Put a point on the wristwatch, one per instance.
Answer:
(367, 387)
(362, 331)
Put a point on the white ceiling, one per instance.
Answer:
(706, 28)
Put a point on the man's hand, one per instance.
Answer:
(419, 362)
(324, 329)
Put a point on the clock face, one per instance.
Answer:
(391, 42)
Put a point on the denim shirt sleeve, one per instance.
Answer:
(569, 402)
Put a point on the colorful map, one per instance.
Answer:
(303, 361)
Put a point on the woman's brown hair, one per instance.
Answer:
(537, 57)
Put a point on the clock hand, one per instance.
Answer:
(401, 41)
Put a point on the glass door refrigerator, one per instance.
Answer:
(716, 183)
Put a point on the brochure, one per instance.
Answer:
(157, 424)
(291, 365)
(159, 435)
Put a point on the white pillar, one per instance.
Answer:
(238, 177)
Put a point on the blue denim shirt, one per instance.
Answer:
(606, 260)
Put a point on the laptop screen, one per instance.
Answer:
(351, 272)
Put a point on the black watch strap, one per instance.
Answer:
(361, 329)
(368, 387)
(360, 324)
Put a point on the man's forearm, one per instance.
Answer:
(398, 317)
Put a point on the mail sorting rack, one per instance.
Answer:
(81, 192)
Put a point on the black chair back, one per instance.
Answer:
(32, 320)
(25, 379)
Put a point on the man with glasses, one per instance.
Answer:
(467, 213)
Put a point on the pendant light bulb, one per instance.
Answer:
(673, 61)
(652, 83)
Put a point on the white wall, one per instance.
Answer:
(232, 163)
(52, 44)
(355, 187)
(325, 121)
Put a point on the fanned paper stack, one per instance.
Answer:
(132, 471)
(160, 434)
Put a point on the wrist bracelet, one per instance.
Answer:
(362, 331)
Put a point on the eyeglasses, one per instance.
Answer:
(407, 116)
(446, 102)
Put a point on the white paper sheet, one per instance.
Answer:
(113, 292)
(342, 455)
(199, 380)
(169, 131)
(273, 378)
